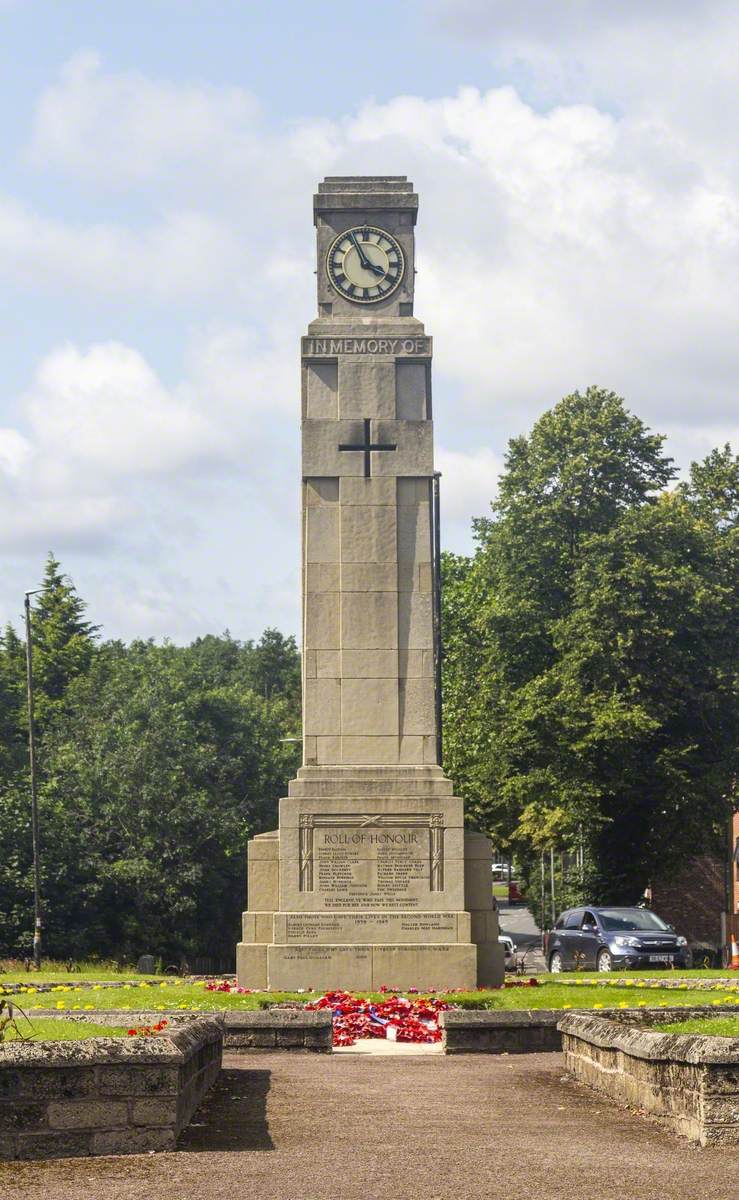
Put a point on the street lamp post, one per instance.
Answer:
(34, 791)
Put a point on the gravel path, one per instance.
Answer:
(301, 1127)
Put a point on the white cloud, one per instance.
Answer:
(184, 253)
(112, 415)
(15, 451)
(468, 482)
(114, 128)
(668, 62)
(105, 442)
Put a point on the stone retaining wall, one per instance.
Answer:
(491, 1031)
(690, 1081)
(106, 1095)
(280, 1029)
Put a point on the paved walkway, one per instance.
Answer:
(299, 1127)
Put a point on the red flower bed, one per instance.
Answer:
(148, 1030)
(397, 1018)
(224, 985)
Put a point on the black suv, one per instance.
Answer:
(610, 939)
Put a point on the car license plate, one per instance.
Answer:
(660, 958)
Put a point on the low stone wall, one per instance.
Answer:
(106, 1095)
(689, 1081)
(496, 1031)
(279, 1029)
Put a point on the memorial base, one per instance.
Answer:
(370, 881)
(351, 967)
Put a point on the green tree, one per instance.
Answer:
(13, 741)
(588, 649)
(63, 640)
(713, 488)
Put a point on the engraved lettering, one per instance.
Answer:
(348, 345)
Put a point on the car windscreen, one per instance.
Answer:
(631, 918)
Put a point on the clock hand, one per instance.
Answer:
(366, 262)
(362, 256)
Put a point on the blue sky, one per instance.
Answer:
(579, 223)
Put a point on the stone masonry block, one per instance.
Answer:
(369, 576)
(57, 1083)
(87, 1114)
(154, 1112)
(367, 491)
(133, 1141)
(321, 385)
(322, 534)
(290, 1038)
(411, 750)
(322, 706)
(53, 1145)
(264, 927)
(417, 706)
(321, 491)
(321, 577)
(328, 750)
(413, 492)
(369, 620)
(411, 391)
(368, 533)
(10, 1084)
(369, 664)
(15, 1115)
(262, 883)
(328, 664)
(369, 706)
(425, 577)
(366, 387)
(415, 624)
(414, 533)
(137, 1081)
(251, 965)
(322, 621)
(359, 750)
(415, 663)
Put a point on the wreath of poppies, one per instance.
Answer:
(398, 1018)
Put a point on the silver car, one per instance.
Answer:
(509, 951)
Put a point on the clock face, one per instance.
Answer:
(365, 264)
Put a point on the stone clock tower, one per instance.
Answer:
(371, 878)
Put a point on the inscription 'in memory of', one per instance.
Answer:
(314, 347)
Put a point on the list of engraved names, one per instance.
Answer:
(386, 868)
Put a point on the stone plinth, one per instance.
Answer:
(370, 880)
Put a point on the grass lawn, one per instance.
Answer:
(48, 1029)
(716, 1026)
(500, 891)
(175, 995)
(696, 973)
(13, 971)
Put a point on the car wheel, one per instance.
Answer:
(555, 963)
(604, 961)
